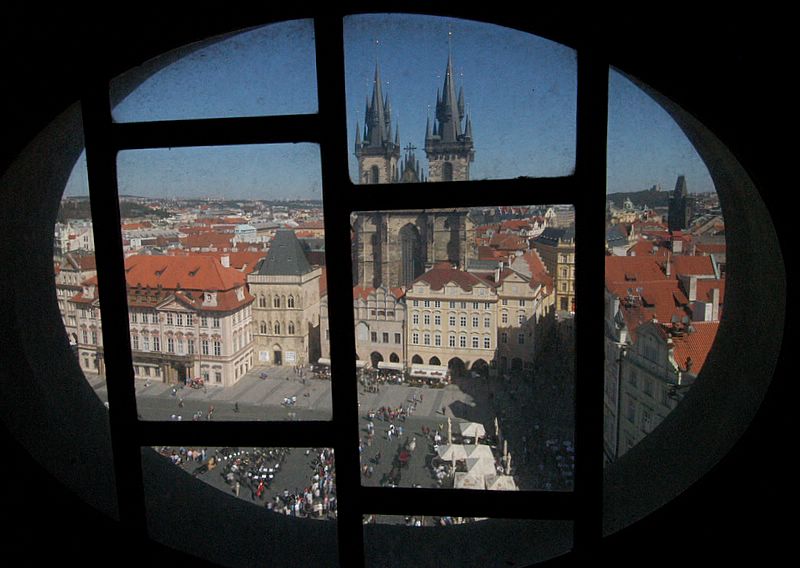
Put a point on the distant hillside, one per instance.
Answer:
(80, 209)
(647, 197)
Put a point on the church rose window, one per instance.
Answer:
(113, 138)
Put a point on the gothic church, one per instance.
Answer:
(394, 248)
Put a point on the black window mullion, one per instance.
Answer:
(542, 505)
(589, 282)
(289, 434)
(104, 201)
(337, 196)
(216, 132)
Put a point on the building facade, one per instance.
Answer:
(556, 247)
(286, 312)
(189, 317)
(452, 321)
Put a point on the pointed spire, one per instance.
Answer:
(428, 133)
(468, 129)
(397, 136)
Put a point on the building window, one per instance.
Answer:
(290, 302)
(452, 321)
(385, 337)
(290, 328)
(451, 340)
(216, 321)
(504, 337)
(487, 322)
(504, 317)
(426, 319)
(204, 346)
(437, 320)
(135, 341)
(217, 348)
(374, 336)
(415, 318)
(437, 340)
(190, 345)
(218, 377)
(398, 338)
(426, 339)
(156, 343)
(170, 345)
(475, 321)
(189, 320)
(170, 318)
(415, 338)
(179, 319)
(276, 302)
(487, 343)
(203, 321)
(463, 321)
(521, 338)
(475, 342)
(263, 328)
(276, 328)
(462, 341)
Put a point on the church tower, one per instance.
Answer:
(378, 152)
(448, 145)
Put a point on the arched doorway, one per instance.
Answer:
(375, 358)
(394, 358)
(457, 367)
(277, 354)
(480, 367)
(434, 361)
(417, 360)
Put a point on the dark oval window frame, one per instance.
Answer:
(754, 256)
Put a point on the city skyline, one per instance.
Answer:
(523, 112)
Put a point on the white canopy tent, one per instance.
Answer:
(472, 429)
(467, 480)
(500, 483)
(452, 452)
(481, 466)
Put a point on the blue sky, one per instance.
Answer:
(519, 91)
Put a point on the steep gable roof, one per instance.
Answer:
(286, 257)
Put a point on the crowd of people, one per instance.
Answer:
(254, 473)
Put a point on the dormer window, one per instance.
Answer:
(209, 298)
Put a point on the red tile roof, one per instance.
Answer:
(181, 272)
(207, 240)
(692, 265)
(441, 274)
(695, 345)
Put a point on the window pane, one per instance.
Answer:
(497, 103)
(225, 267)
(76, 277)
(665, 273)
(425, 401)
(462, 542)
(268, 70)
(254, 499)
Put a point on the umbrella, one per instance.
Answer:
(452, 452)
(479, 451)
(480, 466)
(500, 483)
(468, 480)
(472, 429)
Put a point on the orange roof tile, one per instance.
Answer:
(695, 345)
(438, 276)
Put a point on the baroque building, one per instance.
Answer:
(188, 316)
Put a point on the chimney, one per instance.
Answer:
(715, 304)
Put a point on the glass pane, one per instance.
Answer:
(462, 542)
(243, 506)
(481, 101)
(76, 277)
(464, 331)
(269, 70)
(665, 269)
(225, 267)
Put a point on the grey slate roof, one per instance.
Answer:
(285, 257)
